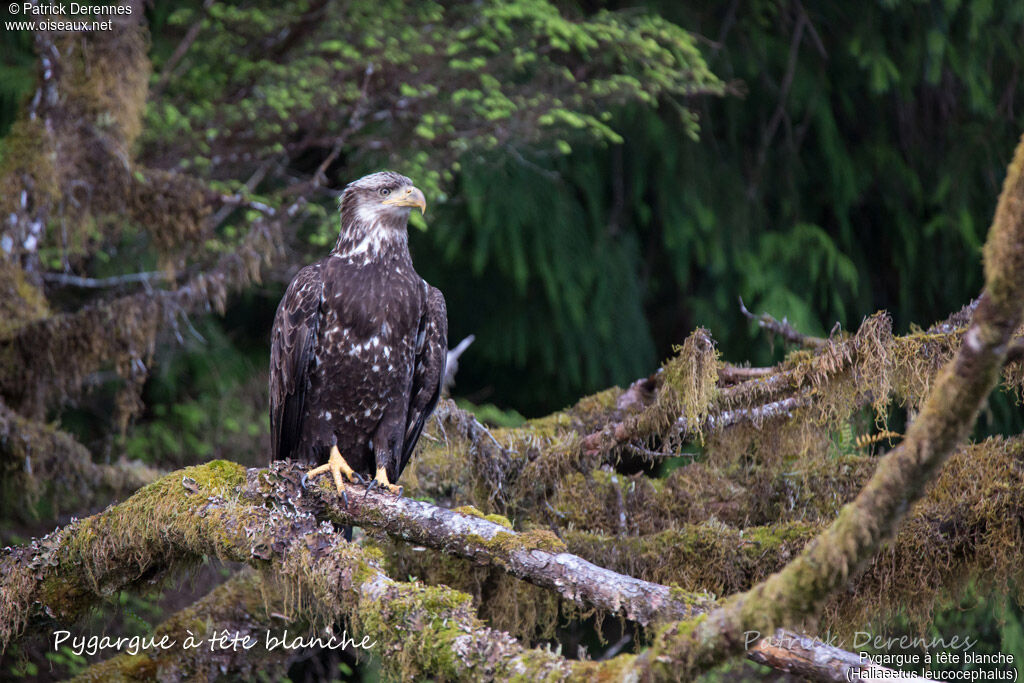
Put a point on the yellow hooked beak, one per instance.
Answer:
(407, 196)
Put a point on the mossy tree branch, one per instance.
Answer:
(243, 607)
(265, 518)
(209, 511)
(801, 589)
(538, 556)
(37, 459)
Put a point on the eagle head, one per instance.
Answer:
(375, 212)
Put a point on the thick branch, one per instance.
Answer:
(243, 607)
(208, 510)
(535, 556)
(217, 509)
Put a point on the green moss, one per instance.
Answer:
(416, 625)
(468, 510)
(499, 519)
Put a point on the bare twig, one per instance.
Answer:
(782, 328)
(731, 374)
(104, 282)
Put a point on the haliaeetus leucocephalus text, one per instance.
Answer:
(358, 346)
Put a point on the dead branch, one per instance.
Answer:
(782, 328)
(624, 432)
(731, 374)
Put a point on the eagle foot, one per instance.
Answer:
(339, 469)
(381, 480)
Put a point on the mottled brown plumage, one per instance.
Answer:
(359, 341)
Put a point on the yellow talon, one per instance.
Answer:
(382, 480)
(337, 466)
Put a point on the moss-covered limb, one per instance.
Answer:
(183, 516)
(47, 360)
(38, 460)
(533, 613)
(525, 611)
(709, 557)
(869, 368)
(209, 511)
(965, 528)
(809, 490)
(242, 607)
(264, 518)
(534, 556)
(801, 589)
(519, 471)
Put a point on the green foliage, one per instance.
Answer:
(541, 281)
(448, 79)
(17, 65)
(204, 400)
(857, 175)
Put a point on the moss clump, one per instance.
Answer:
(468, 510)
(415, 626)
(689, 383)
(21, 302)
(504, 602)
(500, 520)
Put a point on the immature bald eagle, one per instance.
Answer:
(359, 341)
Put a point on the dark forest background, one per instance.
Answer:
(850, 163)
(851, 168)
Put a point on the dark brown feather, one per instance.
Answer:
(428, 376)
(293, 341)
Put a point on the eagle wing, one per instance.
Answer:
(428, 371)
(292, 352)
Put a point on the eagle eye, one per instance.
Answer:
(383, 192)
